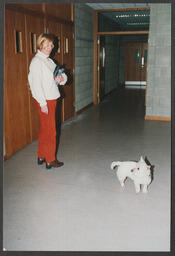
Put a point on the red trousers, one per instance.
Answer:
(47, 132)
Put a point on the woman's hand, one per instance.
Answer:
(44, 109)
(59, 79)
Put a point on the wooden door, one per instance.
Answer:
(55, 29)
(102, 68)
(136, 63)
(34, 27)
(17, 125)
(67, 48)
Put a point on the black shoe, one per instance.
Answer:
(41, 160)
(54, 163)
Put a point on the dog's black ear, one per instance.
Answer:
(147, 161)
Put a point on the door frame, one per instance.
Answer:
(96, 99)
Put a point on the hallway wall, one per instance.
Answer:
(158, 100)
(84, 54)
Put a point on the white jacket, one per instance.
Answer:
(42, 84)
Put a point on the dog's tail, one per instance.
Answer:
(114, 164)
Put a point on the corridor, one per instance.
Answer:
(81, 206)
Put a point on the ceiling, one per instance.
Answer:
(123, 20)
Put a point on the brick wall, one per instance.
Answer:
(158, 100)
(84, 55)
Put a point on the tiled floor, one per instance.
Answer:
(81, 206)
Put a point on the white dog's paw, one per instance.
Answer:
(137, 189)
(145, 191)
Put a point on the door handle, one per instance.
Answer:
(66, 45)
(103, 57)
(142, 62)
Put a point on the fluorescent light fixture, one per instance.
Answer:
(133, 15)
(138, 23)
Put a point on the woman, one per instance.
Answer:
(45, 92)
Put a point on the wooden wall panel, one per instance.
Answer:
(21, 124)
(31, 7)
(60, 10)
(17, 126)
(36, 26)
(65, 57)
(68, 102)
(55, 28)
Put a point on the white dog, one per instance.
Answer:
(139, 172)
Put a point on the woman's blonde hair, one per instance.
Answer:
(44, 37)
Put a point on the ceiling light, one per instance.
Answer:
(131, 15)
(136, 23)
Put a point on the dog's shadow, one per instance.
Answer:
(151, 168)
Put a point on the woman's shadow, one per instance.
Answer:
(58, 111)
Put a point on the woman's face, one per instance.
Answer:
(47, 47)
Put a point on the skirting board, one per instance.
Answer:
(158, 118)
